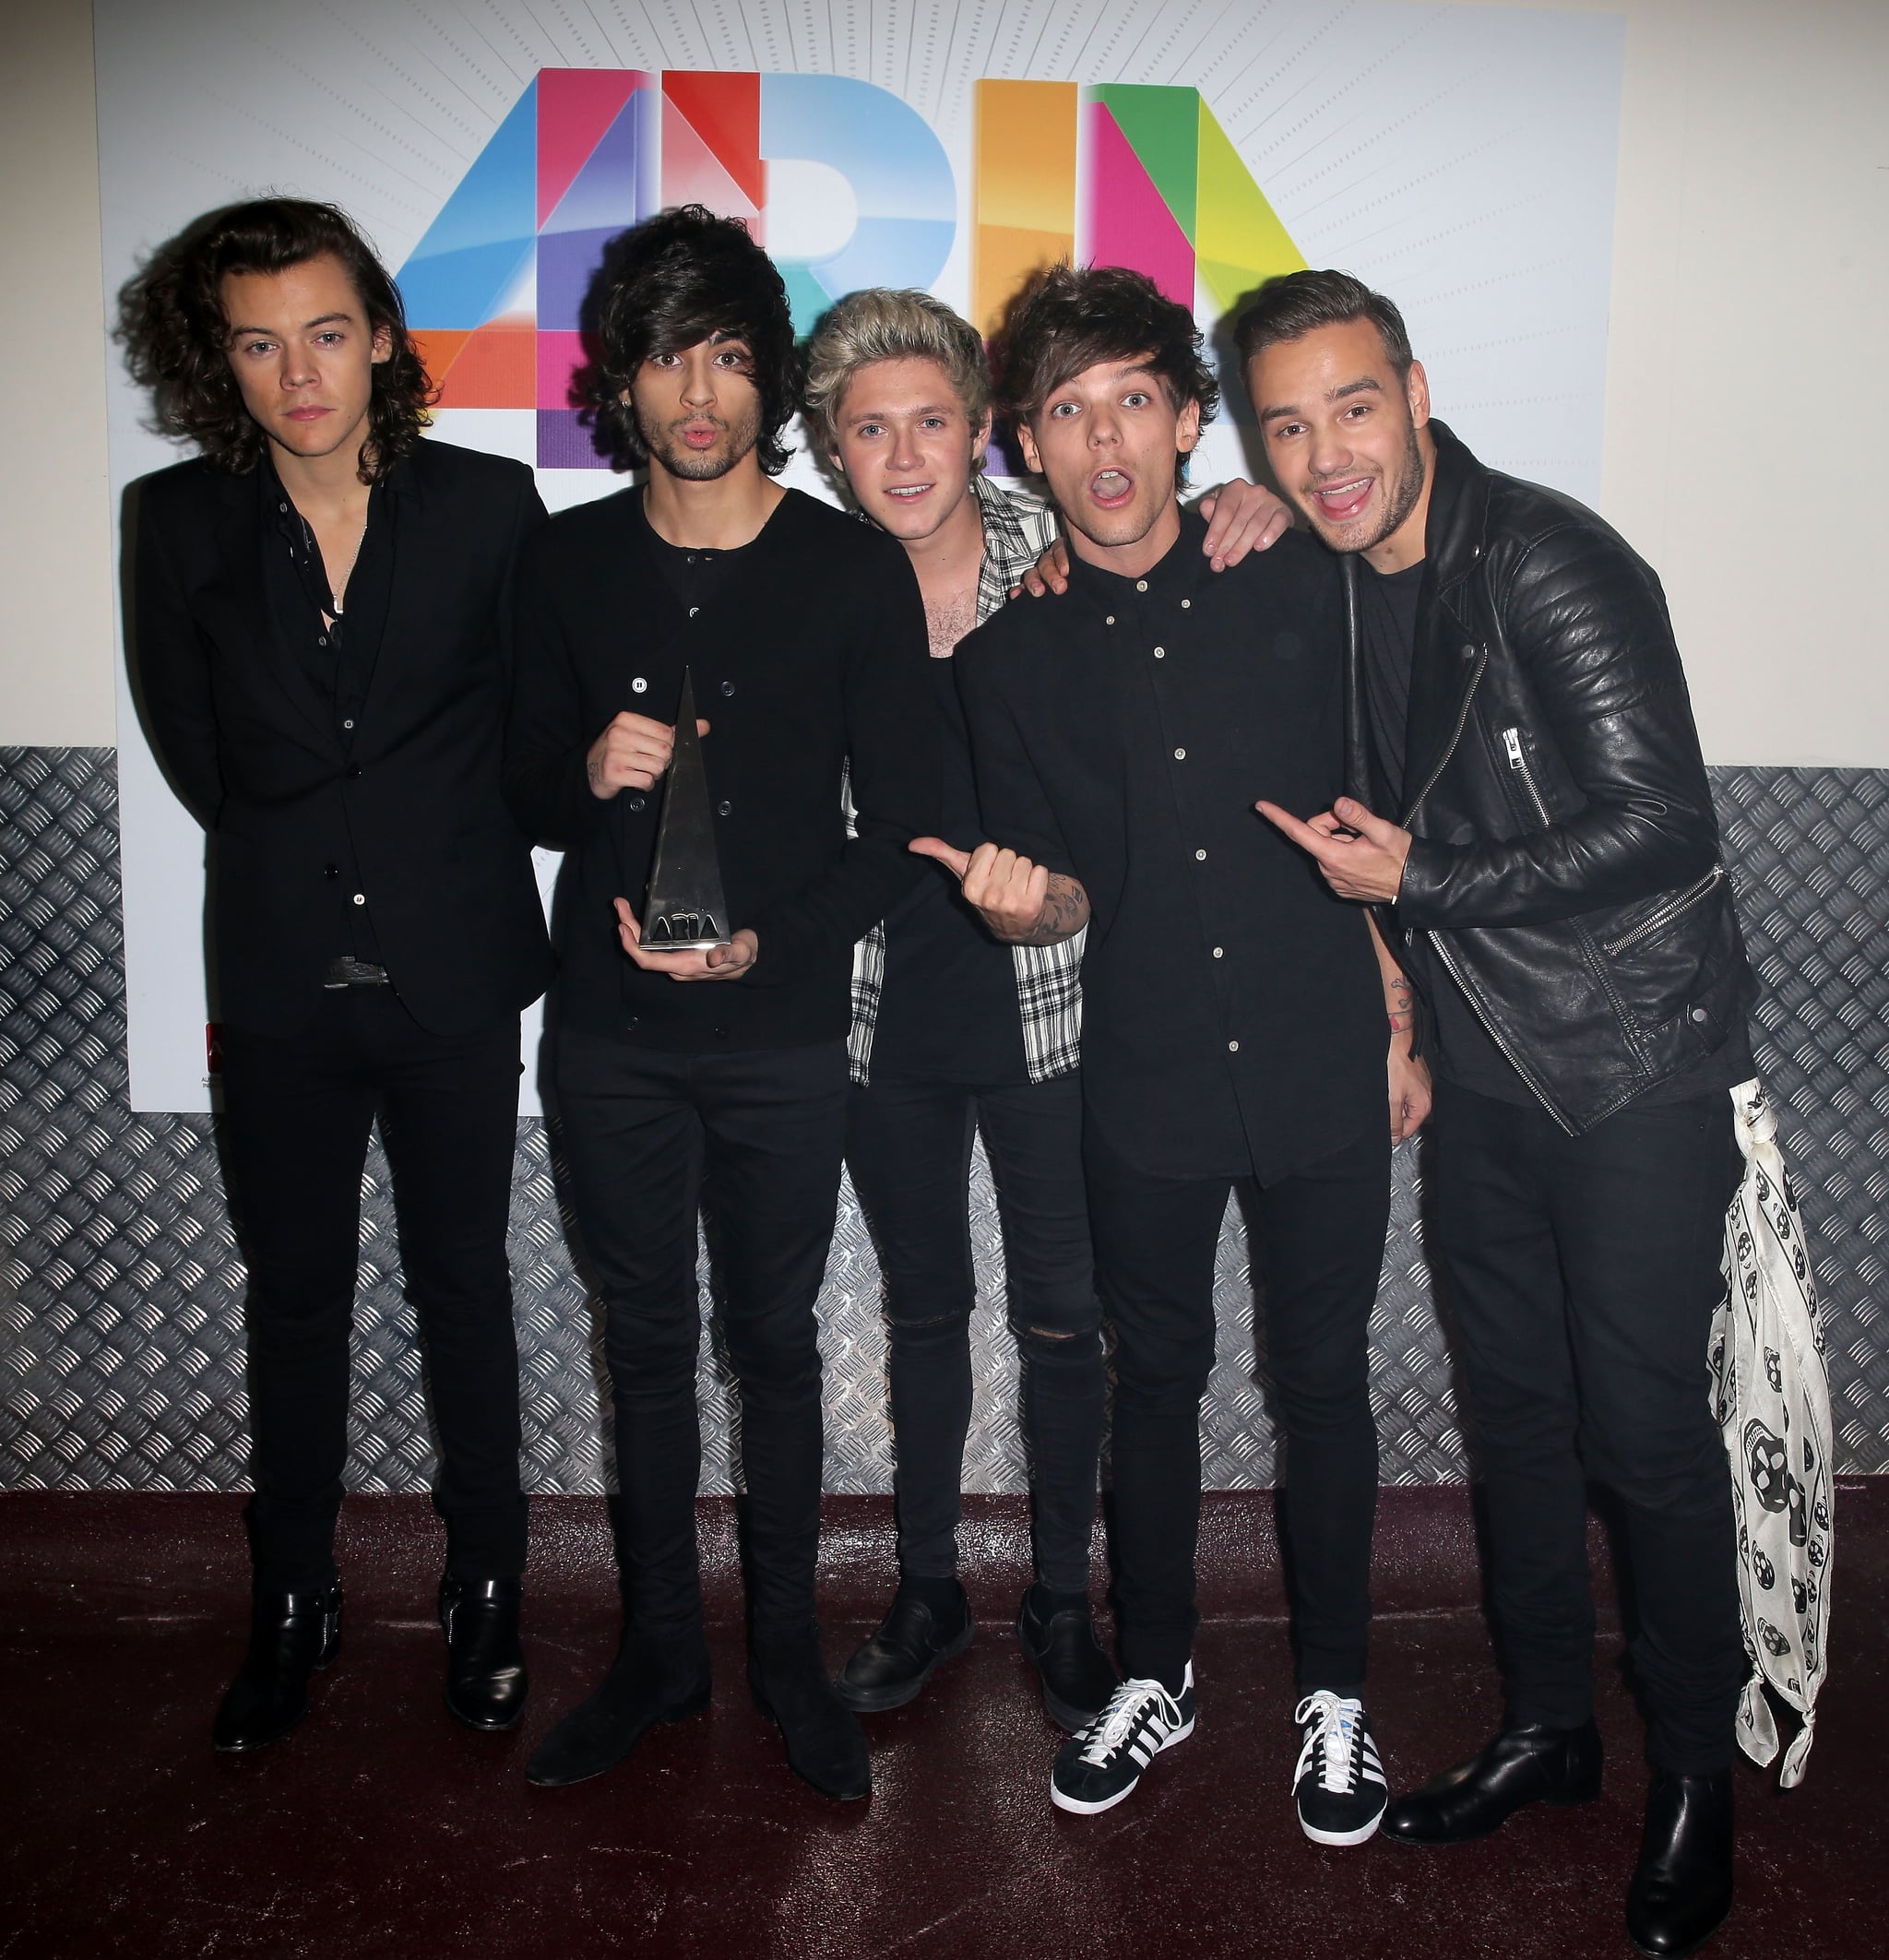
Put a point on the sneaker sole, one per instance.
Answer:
(1342, 1837)
(882, 1700)
(1077, 1808)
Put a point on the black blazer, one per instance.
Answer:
(256, 751)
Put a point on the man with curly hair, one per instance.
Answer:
(320, 645)
(717, 1074)
(1235, 1027)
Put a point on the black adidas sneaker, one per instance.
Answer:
(1339, 1784)
(1099, 1764)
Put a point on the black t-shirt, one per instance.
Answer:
(1466, 1053)
(1388, 623)
(948, 1009)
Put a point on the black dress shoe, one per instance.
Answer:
(1079, 1678)
(1526, 1764)
(486, 1683)
(824, 1743)
(290, 1634)
(899, 1658)
(1681, 1888)
(651, 1681)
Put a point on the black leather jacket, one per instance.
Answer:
(1567, 866)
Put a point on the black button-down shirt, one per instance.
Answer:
(336, 648)
(1234, 1020)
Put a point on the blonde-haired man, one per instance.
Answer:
(955, 1032)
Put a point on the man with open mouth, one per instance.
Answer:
(1557, 873)
(1235, 1031)
(957, 1033)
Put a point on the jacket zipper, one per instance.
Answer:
(1646, 927)
(1512, 741)
(1455, 736)
(1495, 1034)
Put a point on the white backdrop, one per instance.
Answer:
(1460, 158)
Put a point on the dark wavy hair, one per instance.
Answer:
(675, 280)
(1070, 318)
(176, 336)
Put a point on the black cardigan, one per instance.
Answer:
(810, 658)
(411, 796)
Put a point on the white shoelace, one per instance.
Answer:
(1335, 1740)
(1126, 1707)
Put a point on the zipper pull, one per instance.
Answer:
(1512, 741)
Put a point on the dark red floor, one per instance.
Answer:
(381, 1828)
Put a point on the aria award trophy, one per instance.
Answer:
(685, 911)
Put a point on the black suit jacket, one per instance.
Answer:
(256, 751)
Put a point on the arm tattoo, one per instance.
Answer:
(1399, 1008)
(1065, 913)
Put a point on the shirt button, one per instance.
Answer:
(347, 724)
(1109, 620)
(1699, 1014)
(1141, 584)
(1160, 652)
(359, 897)
(353, 769)
(636, 803)
(639, 686)
(283, 508)
(723, 809)
(728, 687)
(1180, 754)
(691, 557)
(630, 1025)
(1232, 1047)
(1220, 952)
(693, 610)
(321, 639)
(1201, 854)
(331, 871)
(1185, 603)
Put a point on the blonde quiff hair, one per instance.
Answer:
(883, 325)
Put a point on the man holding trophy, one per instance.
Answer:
(700, 1056)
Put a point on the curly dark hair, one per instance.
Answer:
(673, 281)
(1070, 318)
(172, 324)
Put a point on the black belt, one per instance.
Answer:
(350, 972)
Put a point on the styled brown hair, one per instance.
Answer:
(176, 336)
(1297, 304)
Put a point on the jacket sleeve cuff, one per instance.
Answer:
(1420, 899)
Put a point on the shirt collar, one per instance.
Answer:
(1176, 575)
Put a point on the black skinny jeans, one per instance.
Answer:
(1320, 1244)
(909, 1148)
(297, 1115)
(1585, 1272)
(757, 1137)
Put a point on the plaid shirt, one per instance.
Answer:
(1017, 531)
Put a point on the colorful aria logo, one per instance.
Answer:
(845, 184)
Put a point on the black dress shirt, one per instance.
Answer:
(336, 648)
(1234, 1019)
(809, 655)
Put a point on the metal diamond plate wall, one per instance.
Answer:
(121, 1292)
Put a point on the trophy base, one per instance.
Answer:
(682, 945)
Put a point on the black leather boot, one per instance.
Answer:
(652, 1680)
(290, 1634)
(890, 1668)
(486, 1681)
(824, 1743)
(1078, 1676)
(1528, 1764)
(1681, 1888)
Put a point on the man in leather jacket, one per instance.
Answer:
(1515, 698)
